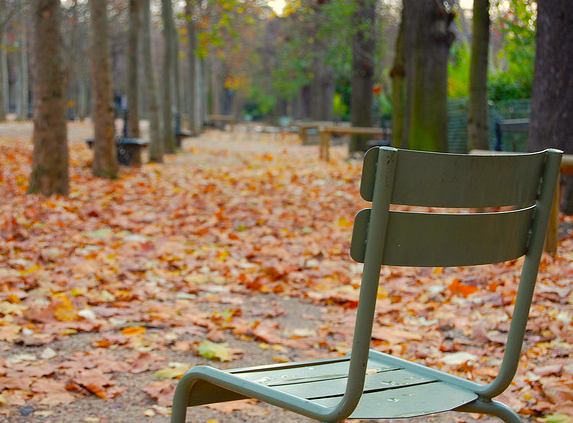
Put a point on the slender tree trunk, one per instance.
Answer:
(168, 31)
(3, 75)
(398, 73)
(478, 131)
(552, 100)
(363, 46)
(429, 38)
(155, 138)
(50, 157)
(74, 77)
(105, 156)
(315, 97)
(216, 92)
(192, 63)
(132, 70)
(176, 77)
(23, 77)
(203, 91)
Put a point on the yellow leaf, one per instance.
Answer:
(30, 269)
(175, 370)
(344, 222)
(64, 309)
(211, 350)
(382, 293)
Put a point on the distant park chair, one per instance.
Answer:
(368, 384)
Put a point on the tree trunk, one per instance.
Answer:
(105, 156)
(192, 64)
(199, 99)
(363, 46)
(176, 78)
(168, 31)
(552, 100)
(80, 84)
(3, 75)
(50, 157)
(478, 130)
(397, 73)
(321, 91)
(216, 86)
(4, 95)
(155, 139)
(133, 70)
(23, 91)
(428, 40)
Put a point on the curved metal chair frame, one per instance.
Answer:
(368, 383)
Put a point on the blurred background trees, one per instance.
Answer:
(266, 59)
(440, 74)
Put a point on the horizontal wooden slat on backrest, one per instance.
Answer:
(459, 180)
(437, 239)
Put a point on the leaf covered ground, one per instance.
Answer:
(233, 253)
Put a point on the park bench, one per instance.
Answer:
(221, 122)
(512, 126)
(306, 128)
(128, 149)
(368, 384)
(326, 132)
(180, 133)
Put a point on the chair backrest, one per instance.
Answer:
(453, 181)
(521, 184)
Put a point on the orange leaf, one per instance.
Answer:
(133, 330)
(458, 288)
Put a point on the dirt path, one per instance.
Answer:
(301, 319)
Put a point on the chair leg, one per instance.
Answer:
(181, 399)
(493, 408)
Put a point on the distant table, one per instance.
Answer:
(326, 133)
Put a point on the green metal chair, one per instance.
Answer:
(370, 384)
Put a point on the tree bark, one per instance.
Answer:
(3, 75)
(176, 75)
(168, 31)
(50, 157)
(105, 157)
(552, 99)
(398, 73)
(192, 64)
(216, 87)
(363, 46)
(428, 41)
(321, 88)
(23, 79)
(155, 139)
(133, 70)
(78, 67)
(3, 65)
(478, 130)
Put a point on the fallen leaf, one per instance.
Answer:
(214, 351)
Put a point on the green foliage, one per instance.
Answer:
(260, 102)
(459, 71)
(517, 25)
(340, 107)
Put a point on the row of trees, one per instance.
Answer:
(319, 60)
(51, 91)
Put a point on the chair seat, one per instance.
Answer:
(389, 390)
